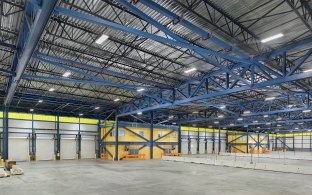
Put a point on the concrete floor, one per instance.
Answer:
(148, 177)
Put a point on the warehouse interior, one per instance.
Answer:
(127, 96)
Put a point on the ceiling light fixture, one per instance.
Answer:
(270, 98)
(220, 116)
(51, 89)
(96, 108)
(170, 117)
(101, 39)
(66, 74)
(116, 100)
(223, 106)
(31, 110)
(216, 122)
(309, 70)
(190, 70)
(232, 124)
(305, 111)
(139, 113)
(80, 114)
(240, 119)
(40, 101)
(140, 89)
(265, 116)
(279, 35)
(246, 112)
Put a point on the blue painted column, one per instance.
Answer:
(219, 141)
(58, 139)
(5, 141)
(33, 139)
(98, 149)
(206, 142)
(116, 139)
(79, 140)
(197, 141)
(179, 137)
(152, 136)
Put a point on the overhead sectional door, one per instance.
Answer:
(87, 147)
(184, 146)
(19, 147)
(193, 146)
(44, 147)
(202, 146)
(68, 148)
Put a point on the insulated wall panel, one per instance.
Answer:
(87, 127)
(202, 146)
(193, 146)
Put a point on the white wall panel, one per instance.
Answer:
(209, 147)
(69, 126)
(44, 125)
(86, 127)
(18, 148)
(202, 146)
(68, 148)
(20, 123)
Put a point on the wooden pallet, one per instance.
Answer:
(134, 157)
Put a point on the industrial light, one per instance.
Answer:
(51, 89)
(96, 108)
(223, 128)
(290, 105)
(220, 116)
(116, 100)
(101, 39)
(279, 35)
(170, 117)
(265, 116)
(139, 113)
(268, 123)
(279, 125)
(232, 124)
(80, 114)
(255, 121)
(216, 122)
(66, 74)
(270, 98)
(305, 111)
(140, 89)
(190, 70)
(245, 125)
(309, 70)
(258, 127)
(247, 112)
(223, 106)
(297, 128)
(300, 123)
(195, 112)
(240, 119)
(210, 126)
(40, 101)
(279, 118)
(31, 110)
(174, 123)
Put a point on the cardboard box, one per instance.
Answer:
(9, 164)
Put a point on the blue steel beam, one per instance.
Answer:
(202, 51)
(36, 16)
(180, 39)
(93, 77)
(92, 68)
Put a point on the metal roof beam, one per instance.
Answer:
(36, 16)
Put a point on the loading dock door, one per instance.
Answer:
(87, 148)
(44, 147)
(19, 148)
(194, 146)
(68, 148)
(184, 146)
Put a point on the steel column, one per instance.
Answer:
(58, 139)
(219, 144)
(179, 136)
(116, 139)
(5, 139)
(152, 136)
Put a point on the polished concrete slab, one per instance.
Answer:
(148, 177)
